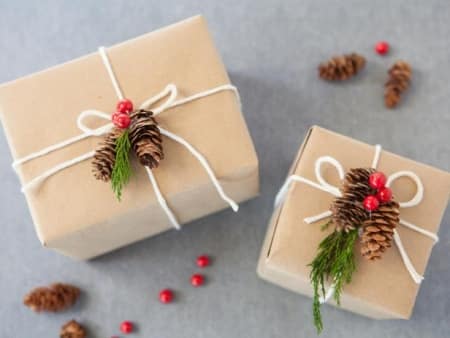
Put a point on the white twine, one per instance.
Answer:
(333, 190)
(170, 91)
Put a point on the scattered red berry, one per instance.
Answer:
(197, 280)
(377, 180)
(371, 203)
(121, 120)
(384, 195)
(124, 106)
(203, 261)
(382, 47)
(126, 327)
(166, 296)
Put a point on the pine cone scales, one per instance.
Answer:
(105, 156)
(378, 230)
(72, 329)
(399, 80)
(145, 138)
(341, 67)
(348, 211)
(55, 298)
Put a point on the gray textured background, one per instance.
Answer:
(271, 49)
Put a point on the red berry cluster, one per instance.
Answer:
(377, 180)
(167, 295)
(121, 118)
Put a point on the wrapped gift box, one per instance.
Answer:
(80, 216)
(379, 289)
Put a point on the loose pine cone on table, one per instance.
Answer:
(399, 80)
(341, 67)
(55, 298)
(378, 230)
(348, 211)
(105, 156)
(145, 138)
(72, 329)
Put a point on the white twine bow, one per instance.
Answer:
(333, 190)
(170, 93)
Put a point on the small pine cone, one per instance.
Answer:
(72, 329)
(378, 230)
(105, 156)
(399, 80)
(348, 211)
(55, 298)
(341, 67)
(145, 138)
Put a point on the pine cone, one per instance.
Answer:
(399, 80)
(55, 298)
(378, 230)
(72, 329)
(105, 156)
(145, 138)
(348, 211)
(341, 67)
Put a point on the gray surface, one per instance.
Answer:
(271, 50)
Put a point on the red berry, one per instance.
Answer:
(382, 47)
(371, 203)
(384, 195)
(114, 117)
(126, 327)
(166, 296)
(197, 280)
(121, 120)
(377, 180)
(203, 261)
(124, 106)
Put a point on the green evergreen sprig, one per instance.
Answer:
(122, 170)
(335, 260)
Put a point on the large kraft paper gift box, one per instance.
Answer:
(379, 289)
(78, 215)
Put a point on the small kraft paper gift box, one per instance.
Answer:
(375, 215)
(155, 117)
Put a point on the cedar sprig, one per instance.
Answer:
(335, 260)
(122, 169)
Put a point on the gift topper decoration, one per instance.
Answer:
(135, 129)
(364, 207)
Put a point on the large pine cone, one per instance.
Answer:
(55, 298)
(378, 230)
(341, 67)
(145, 138)
(348, 211)
(105, 156)
(72, 329)
(399, 80)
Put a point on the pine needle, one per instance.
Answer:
(335, 260)
(325, 226)
(122, 170)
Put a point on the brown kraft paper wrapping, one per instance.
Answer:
(380, 289)
(80, 216)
